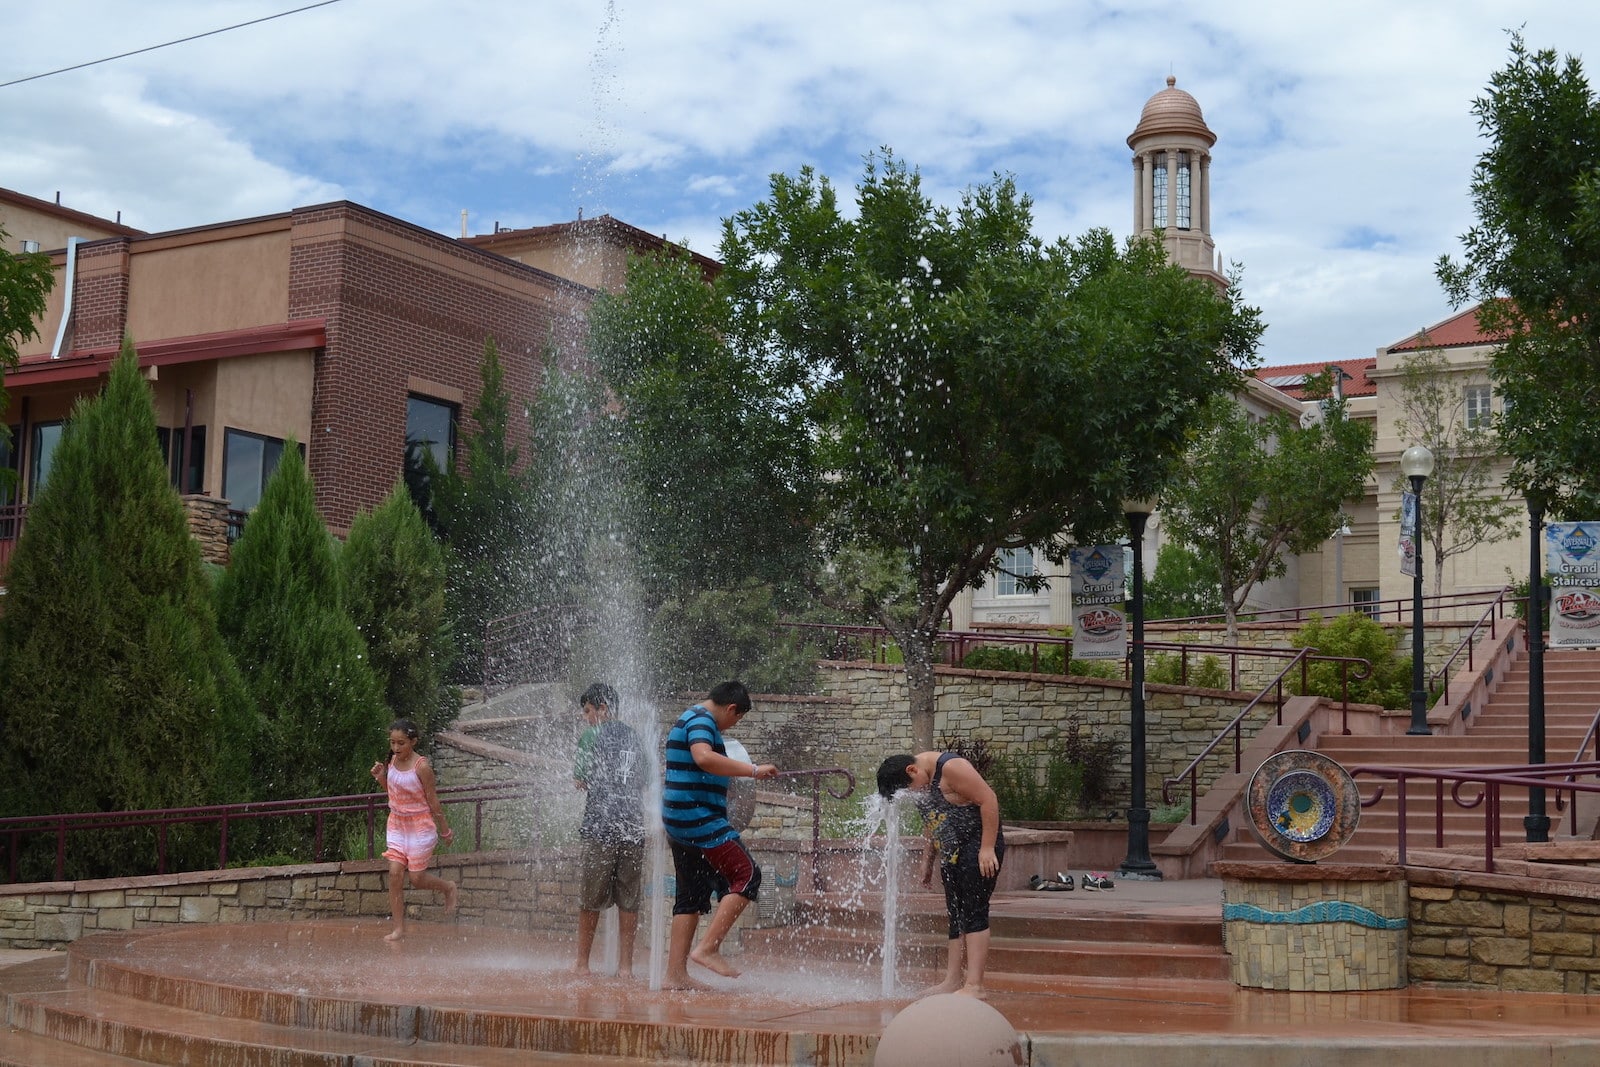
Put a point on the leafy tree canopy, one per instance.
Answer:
(966, 386)
(1533, 260)
(1251, 492)
(25, 280)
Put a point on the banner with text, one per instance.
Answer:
(1572, 567)
(1408, 534)
(1098, 595)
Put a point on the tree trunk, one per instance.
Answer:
(918, 651)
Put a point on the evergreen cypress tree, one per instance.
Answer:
(481, 513)
(393, 575)
(302, 657)
(116, 691)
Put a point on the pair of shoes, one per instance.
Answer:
(1063, 885)
(1095, 881)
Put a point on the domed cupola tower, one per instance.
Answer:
(1172, 180)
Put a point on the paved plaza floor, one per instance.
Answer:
(782, 1011)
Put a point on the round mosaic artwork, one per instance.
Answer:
(1303, 806)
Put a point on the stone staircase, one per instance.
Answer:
(1037, 940)
(1496, 735)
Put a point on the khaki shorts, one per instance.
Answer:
(612, 872)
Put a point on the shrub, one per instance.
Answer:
(1096, 755)
(1354, 634)
(1000, 658)
(1095, 668)
(1027, 794)
(1167, 669)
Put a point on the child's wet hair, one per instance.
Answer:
(407, 727)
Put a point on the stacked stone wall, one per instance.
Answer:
(1522, 942)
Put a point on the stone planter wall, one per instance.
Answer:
(1324, 928)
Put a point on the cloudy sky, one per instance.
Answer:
(1345, 139)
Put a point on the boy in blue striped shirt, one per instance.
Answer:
(707, 855)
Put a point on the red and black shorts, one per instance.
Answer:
(704, 872)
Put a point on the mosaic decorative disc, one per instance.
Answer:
(1303, 806)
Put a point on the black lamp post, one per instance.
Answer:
(1138, 866)
(1536, 823)
(1416, 463)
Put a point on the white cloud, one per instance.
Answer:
(1345, 138)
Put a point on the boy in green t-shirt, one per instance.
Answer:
(611, 766)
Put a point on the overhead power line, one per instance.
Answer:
(165, 44)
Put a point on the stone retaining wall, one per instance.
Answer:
(1498, 932)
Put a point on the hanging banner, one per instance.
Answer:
(1572, 567)
(1408, 534)
(1099, 591)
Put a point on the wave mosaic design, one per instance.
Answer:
(1323, 911)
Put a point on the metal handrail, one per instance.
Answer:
(1192, 772)
(1376, 609)
(816, 775)
(1577, 757)
(1491, 779)
(1492, 614)
(13, 829)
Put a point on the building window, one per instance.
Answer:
(1183, 191)
(1158, 196)
(186, 477)
(430, 446)
(248, 460)
(46, 437)
(1478, 398)
(1365, 601)
(1015, 564)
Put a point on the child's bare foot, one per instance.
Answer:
(450, 895)
(394, 935)
(683, 981)
(942, 987)
(975, 991)
(714, 961)
(580, 968)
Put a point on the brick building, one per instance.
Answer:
(356, 334)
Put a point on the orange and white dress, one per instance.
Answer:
(412, 833)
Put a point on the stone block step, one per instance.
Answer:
(93, 1028)
(1037, 957)
(868, 922)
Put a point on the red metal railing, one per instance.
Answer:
(1492, 615)
(224, 816)
(1398, 609)
(1592, 738)
(816, 775)
(1302, 658)
(1491, 782)
(369, 805)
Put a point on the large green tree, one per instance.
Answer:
(25, 280)
(1252, 492)
(966, 386)
(116, 691)
(282, 614)
(1533, 260)
(392, 572)
(683, 475)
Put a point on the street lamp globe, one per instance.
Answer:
(1416, 462)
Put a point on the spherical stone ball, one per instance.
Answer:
(951, 1030)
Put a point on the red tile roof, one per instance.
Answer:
(1456, 331)
(1293, 375)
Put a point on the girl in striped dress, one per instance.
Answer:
(416, 822)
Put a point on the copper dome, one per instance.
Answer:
(1171, 112)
